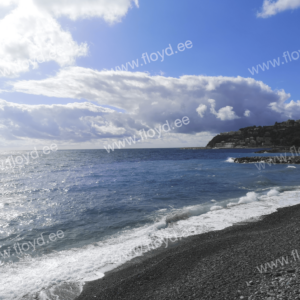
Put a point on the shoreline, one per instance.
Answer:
(213, 265)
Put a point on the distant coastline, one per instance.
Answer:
(285, 134)
(209, 148)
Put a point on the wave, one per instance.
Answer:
(230, 160)
(250, 197)
(69, 269)
(216, 207)
(273, 192)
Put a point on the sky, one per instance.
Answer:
(93, 73)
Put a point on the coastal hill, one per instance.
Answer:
(281, 134)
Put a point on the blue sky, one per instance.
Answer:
(210, 82)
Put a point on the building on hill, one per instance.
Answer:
(229, 145)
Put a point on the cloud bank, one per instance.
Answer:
(213, 104)
(73, 121)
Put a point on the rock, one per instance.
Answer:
(291, 271)
(268, 160)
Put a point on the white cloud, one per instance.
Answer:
(29, 36)
(290, 110)
(225, 113)
(5, 3)
(110, 10)
(201, 109)
(134, 93)
(30, 33)
(271, 8)
(247, 113)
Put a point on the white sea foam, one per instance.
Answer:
(216, 207)
(250, 197)
(292, 167)
(257, 206)
(231, 204)
(272, 192)
(230, 160)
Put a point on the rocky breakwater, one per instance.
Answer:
(268, 159)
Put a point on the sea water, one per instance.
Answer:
(103, 209)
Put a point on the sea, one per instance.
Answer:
(70, 216)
